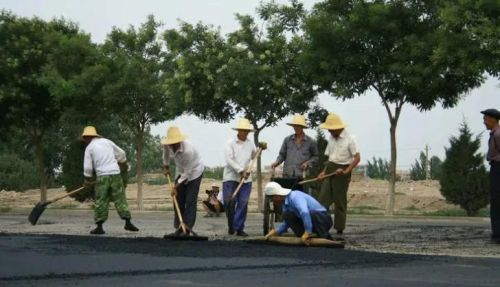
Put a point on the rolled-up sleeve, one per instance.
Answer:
(353, 146)
(165, 155)
(88, 167)
(119, 153)
(282, 154)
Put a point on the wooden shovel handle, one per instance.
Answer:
(247, 170)
(316, 179)
(67, 194)
(176, 206)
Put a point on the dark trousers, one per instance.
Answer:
(240, 212)
(495, 199)
(321, 220)
(334, 190)
(187, 197)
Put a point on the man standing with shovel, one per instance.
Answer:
(343, 156)
(238, 152)
(105, 157)
(189, 172)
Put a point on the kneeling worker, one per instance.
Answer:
(301, 212)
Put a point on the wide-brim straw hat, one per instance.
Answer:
(298, 120)
(173, 136)
(90, 131)
(333, 122)
(274, 188)
(244, 124)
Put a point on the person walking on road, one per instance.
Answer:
(491, 118)
(104, 157)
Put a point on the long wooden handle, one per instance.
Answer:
(316, 179)
(176, 206)
(248, 170)
(67, 194)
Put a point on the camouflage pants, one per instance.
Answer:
(110, 188)
(334, 190)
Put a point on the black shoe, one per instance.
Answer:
(177, 233)
(340, 232)
(241, 233)
(495, 240)
(230, 231)
(98, 230)
(129, 226)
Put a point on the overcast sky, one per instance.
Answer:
(365, 115)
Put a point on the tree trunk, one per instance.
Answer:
(42, 174)
(139, 153)
(260, 194)
(389, 210)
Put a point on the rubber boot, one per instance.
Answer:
(129, 226)
(98, 230)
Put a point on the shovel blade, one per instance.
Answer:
(37, 212)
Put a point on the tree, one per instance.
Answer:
(34, 53)
(418, 170)
(378, 169)
(138, 64)
(464, 180)
(436, 167)
(253, 71)
(391, 48)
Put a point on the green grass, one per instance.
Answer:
(5, 209)
(411, 208)
(364, 210)
(457, 213)
(67, 206)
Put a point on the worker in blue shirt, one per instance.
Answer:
(301, 212)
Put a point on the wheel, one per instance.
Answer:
(267, 224)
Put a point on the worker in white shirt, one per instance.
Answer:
(343, 156)
(188, 174)
(104, 157)
(238, 154)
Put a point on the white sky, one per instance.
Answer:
(365, 115)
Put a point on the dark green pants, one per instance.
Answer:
(334, 190)
(109, 188)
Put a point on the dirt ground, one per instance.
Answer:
(412, 197)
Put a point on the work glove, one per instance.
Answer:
(271, 234)
(306, 238)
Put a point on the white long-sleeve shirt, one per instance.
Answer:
(238, 155)
(103, 156)
(188, 163)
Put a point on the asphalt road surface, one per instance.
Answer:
(64, 260)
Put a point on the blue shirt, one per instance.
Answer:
(301, 204)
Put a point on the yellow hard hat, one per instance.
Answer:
(333, 122)
(90, 131)
(244, 124)
(298, 120)
(174, 136)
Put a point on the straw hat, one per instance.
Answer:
(90, 131)
(244, 124)
(333, 122)
(298, 120)
(274, 188)
(174, 136)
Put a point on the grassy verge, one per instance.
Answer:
(457, 213)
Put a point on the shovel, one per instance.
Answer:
(40, 206)
(230, 210)
(189, 234)
(316, 179)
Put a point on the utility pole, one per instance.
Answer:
(426, 166)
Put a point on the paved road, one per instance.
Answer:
(63, 260)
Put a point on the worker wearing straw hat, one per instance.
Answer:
(188, 174)
(104, 157)
(343, 156)
(298, 151)
(238, 154)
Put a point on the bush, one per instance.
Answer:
(464, 180)
(378, 169)
(16, 173)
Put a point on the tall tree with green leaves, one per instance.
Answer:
(138, 65)
(254, 71)
(464, 179)
(378, 168)
(390, 50)
(34, 54)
